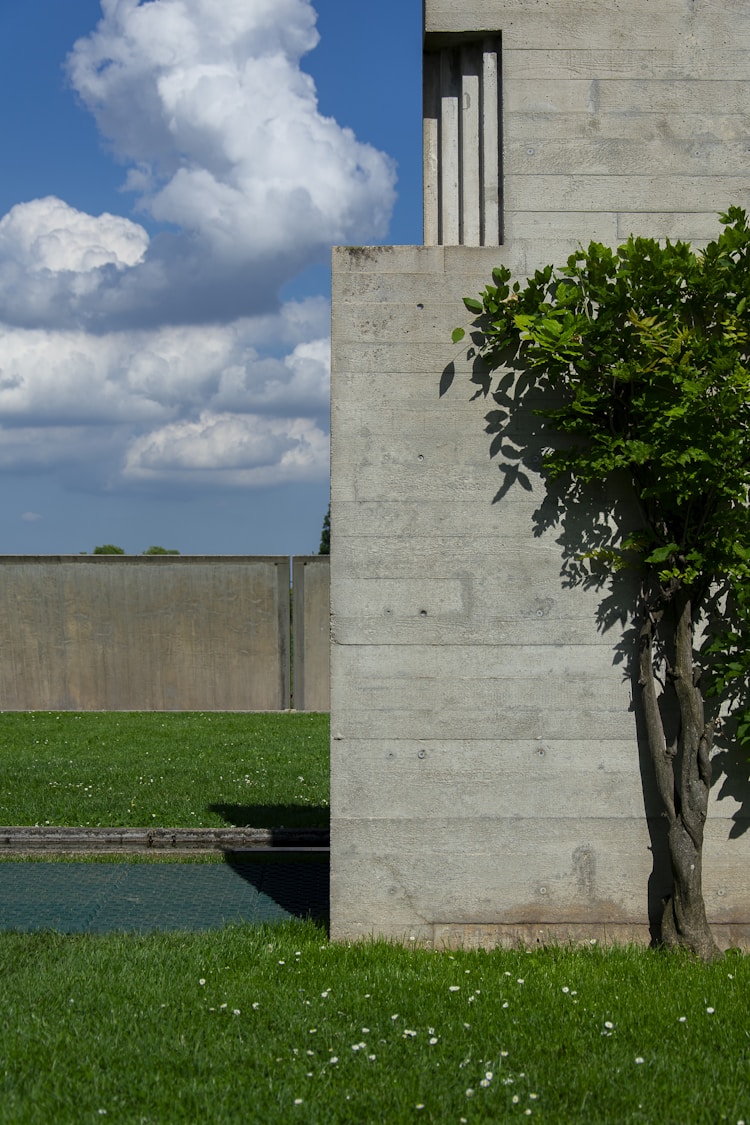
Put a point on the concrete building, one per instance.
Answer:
(487, 783)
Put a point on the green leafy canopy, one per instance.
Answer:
(648, 350)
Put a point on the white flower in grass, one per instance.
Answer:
(503, 1054)
(489, 1075)
(325, 994)
(470, 1093)
(638, 1060)
(365, 1030)
(202, 980)
(371, 1058)
(298, 1101)
(565, 988)
(533, 1097)
(333, 1060)
(454, 987)
(394, 1016)
(256, 1005)
(433, 1040)
(608, 1024)
(514, 1099)
(520, 981)
(483, 1082)
(408, 1033)
(682, 1019)
(710, 1011)
(506, 1004)
(235, 1011)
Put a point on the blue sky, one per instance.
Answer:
(174, 173)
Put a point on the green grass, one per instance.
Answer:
(276, 1025)
(170, 769)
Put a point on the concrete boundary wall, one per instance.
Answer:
(105, 632)
(312, 632)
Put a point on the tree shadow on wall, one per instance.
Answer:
(586, 522)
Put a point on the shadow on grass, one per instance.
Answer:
(273, 816)
(298, 882)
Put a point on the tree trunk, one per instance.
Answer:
(683, 775)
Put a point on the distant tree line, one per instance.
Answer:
(111, 549)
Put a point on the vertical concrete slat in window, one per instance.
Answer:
(470, 145)
(491, 147)
(431, 147)
(450, 226)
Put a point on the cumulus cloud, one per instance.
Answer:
(170, 350)
(232, 450)
(47, 234)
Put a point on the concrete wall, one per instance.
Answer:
(617, 117)
(486, 773)
(144, 633)
(312, 633)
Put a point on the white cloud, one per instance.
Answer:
(207, 104)
(47, 234)
(231, 450)
(168, 358)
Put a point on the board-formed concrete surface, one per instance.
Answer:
(144, 633)
(312, 632)
(487, 782)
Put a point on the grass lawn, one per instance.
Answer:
(169, 769)
(275, 1025)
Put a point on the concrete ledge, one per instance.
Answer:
(16, 840)
(527, 935)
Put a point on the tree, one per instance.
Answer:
(108, 549)
(160, 551)
(639, 359)
(325, 537)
